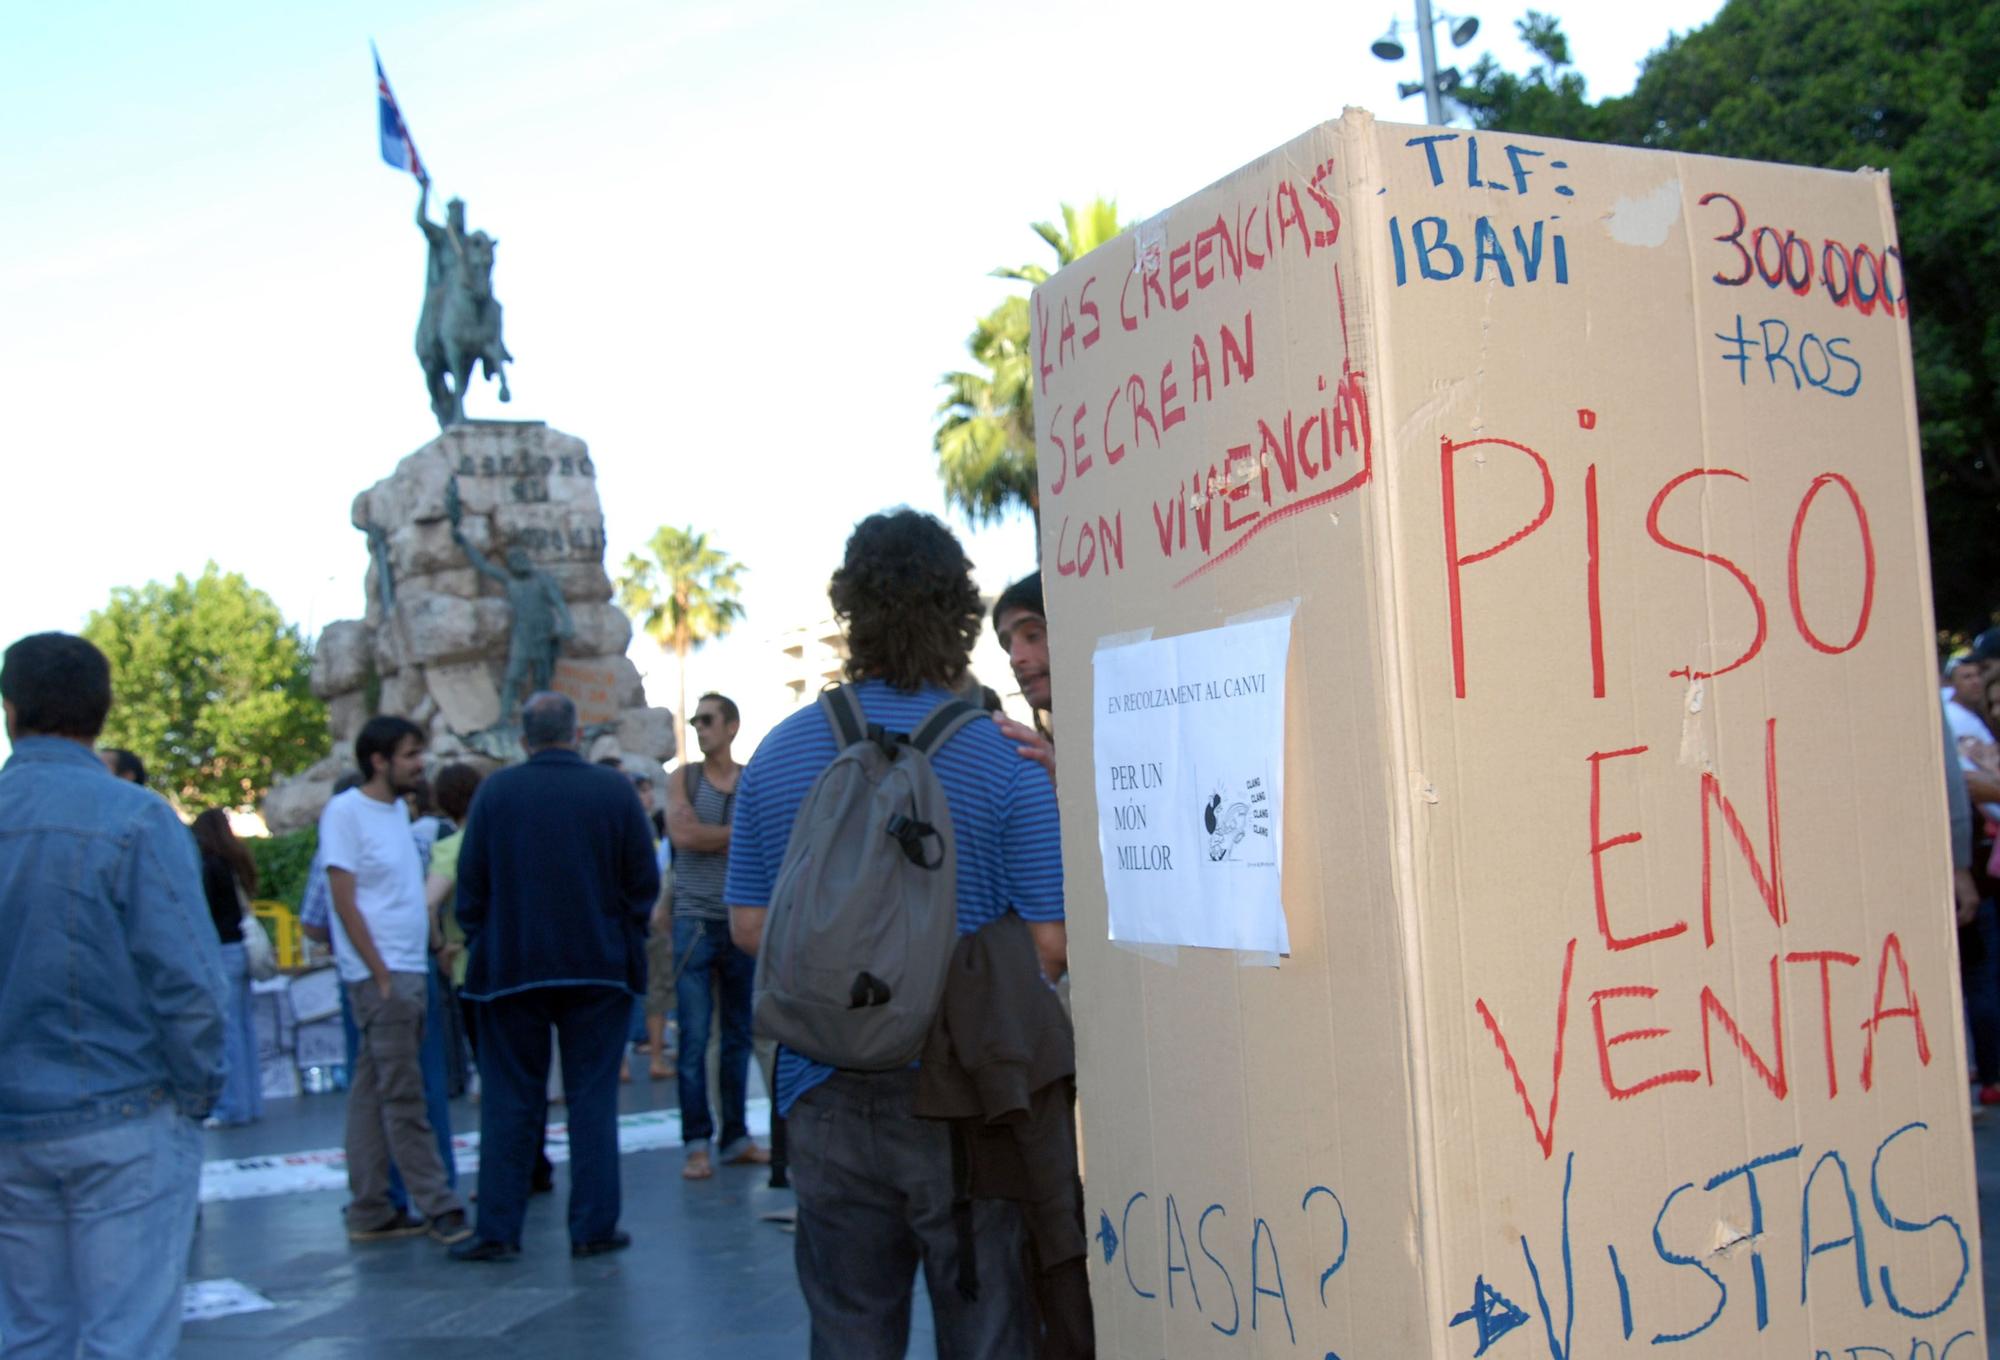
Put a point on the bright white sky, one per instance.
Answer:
(739, 243)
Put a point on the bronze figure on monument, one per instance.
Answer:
(542, 620)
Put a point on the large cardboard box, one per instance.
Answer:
(321, 1043)
(315, 994)
(1618, 1007)
(271, 1014)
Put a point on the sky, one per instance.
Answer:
(738, 245)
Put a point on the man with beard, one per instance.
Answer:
(381, 942)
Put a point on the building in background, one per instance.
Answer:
(809, 657)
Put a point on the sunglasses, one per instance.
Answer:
(701, 720)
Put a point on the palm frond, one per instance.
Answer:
(985, 435)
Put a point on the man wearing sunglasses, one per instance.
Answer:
(700, 800)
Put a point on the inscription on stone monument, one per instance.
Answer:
(593, 688)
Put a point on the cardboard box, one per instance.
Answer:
(280, 1077)
(321, 1043)
(315, 994)
(1621, 1012)
(272, 1014)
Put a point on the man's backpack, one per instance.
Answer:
(864, 915)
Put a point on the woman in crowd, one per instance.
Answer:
(425, 823)
(229, 877)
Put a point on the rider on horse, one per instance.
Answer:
(460, 322)
(443, 252)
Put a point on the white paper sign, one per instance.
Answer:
(205, 1300)
(1190, 770)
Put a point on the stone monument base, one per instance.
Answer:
(432, 646)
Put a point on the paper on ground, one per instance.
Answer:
(290, 1173)
(203, 1300)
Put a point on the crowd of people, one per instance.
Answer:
(892, 850)
(891, 853)
(1971, 697)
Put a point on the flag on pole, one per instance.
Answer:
(397, 148)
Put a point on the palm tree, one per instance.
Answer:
(986, 440)
(682, 593)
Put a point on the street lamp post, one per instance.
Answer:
(1427, 54)
(1435, 83)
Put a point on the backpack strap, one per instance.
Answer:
(692, 773)
(944, 722)
(844, 715)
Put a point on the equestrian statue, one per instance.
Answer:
(460, 324)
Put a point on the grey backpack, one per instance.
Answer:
(864, 915)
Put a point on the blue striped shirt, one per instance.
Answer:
(1003, 820)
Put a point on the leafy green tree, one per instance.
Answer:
(283, 863)
(1548, 99)
(985, 440)
(682, 593)
(1896, 84)
(209, 686)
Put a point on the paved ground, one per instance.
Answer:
(706, 1276)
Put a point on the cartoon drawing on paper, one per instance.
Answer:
(1236, 820)
(1226, 826)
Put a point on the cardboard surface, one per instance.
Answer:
(594, 688)
(1621, 1013)
(320, 1043)
(1191, 736)
(314, 994)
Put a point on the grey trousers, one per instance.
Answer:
(385, 1106)
(875, 1202)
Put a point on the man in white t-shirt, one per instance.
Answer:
(1964, 709)
(381, 941)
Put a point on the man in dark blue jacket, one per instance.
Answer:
(555, 882)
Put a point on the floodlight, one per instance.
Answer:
(1389, 47)
(1464, 31)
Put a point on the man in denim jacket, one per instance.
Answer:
(111, 1004)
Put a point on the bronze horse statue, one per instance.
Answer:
(460, 323)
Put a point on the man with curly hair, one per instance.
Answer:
(874, 1182)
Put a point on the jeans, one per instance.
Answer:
(242, 1076)
(94, 1237)
(545, 1170)
(1979, 976)
(386, 1124)
(437, 1100)
(589, 1025)
(448, 1015)
(874, 1186)
(709, 953)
